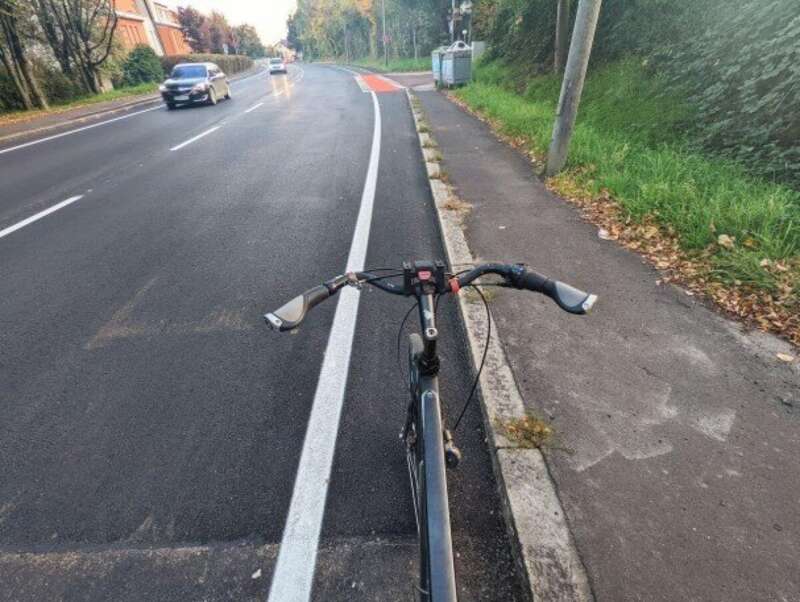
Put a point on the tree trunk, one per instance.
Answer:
(57, 43)
(19, 83)
(21, 63)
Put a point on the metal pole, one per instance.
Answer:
(385, 47)
(578, 61)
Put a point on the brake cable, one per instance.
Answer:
(483, 358)
(399, 339)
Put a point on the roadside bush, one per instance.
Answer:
(56, 86)
(229, 63)
(735, 63)
(141, 66)
(629, 141)
(9, 100)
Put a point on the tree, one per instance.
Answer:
(53, 36)
(219, 32)
(194, 28)
(248, 41)
(84, 33)
(13, 54)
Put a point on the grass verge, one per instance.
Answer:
(738, 236)
(396, 65)
(116, 94)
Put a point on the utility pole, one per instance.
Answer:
(562, 36)
(385, 46)
(571, 88)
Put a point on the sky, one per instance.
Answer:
(267, 16)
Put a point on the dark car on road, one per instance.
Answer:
(195, 82)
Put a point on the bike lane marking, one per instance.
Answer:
(293, 578)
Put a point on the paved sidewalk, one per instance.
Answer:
(678, 452)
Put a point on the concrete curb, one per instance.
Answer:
(150, 99)
(540, 537)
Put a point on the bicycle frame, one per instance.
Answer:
(429, 447)
(437, 574)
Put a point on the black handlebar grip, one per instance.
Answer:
(571, 299)
(534, 282)
(290, 315)
(568, 298)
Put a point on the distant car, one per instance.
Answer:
(277, 65)
(195, 82)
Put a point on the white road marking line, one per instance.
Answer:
(94, 125)
(362, 84)
(75, 131)
(195, 139)
(39, 215)
(294, 573)
(254, 107)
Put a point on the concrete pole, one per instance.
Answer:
(571, 88)
(385, 46)
(562, 36)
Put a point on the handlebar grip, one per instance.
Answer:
(568, 298)
(290, 315)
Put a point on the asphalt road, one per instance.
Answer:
(150, 426)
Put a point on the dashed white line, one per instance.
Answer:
(254, 107)
(195, 139)
(76, 130)
(40, 215)
(294, 573)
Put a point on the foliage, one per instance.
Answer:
(628, 142)
(396, 65)
(56, 86)
(353, 29)
(735, 62)
(192, 23)
(81, 36)
(211, 33)
(9, 99)
(15, 30)
(142, 65)
(741, 74)
(229, 63)
(247, 42)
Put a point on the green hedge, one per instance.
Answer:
(229, 63)
(141, 66)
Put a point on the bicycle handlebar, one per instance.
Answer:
(568, 298)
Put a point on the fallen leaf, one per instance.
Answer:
(650, 232)
(725, 241)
